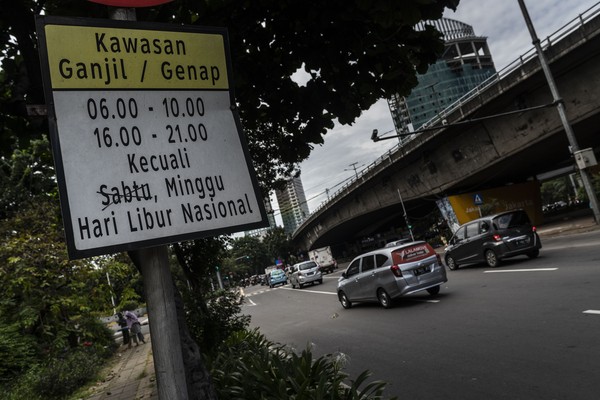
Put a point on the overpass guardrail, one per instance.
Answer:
(529, 55)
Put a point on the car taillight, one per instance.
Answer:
(497, 237)
(396, 270)
(533, 229)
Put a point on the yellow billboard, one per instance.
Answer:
(526, 196)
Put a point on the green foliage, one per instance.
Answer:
(128, 305)
(48, 302)
(126, 285)
(250, 367)
(17, 352)
(278, 244)
(558, 189)
(58, 377)
(582, 194)
(255, 250)
(27, 173)
(212, 323)
(198, 260)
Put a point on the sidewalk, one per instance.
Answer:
(130, 377)
(575, 222)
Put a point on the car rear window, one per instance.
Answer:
(511, 220)
(412, 253)
(306, 266)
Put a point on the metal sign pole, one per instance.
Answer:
(162, 314)
(160, 298)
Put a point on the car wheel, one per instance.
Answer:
(451, 263)
(434, 290)
(491, 258)
(344, 300)
(533, 253)
(384, 298)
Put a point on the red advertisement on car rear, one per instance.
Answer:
(412, 253)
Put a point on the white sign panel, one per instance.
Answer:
(146, 142)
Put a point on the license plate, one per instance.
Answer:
(422, 270)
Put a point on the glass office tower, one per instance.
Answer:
(465, 63)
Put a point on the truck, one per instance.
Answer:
(324, 258)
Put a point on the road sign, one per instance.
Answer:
(147, 144)
(477, 199)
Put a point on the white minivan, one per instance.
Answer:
(385, 274)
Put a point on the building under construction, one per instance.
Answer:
(465, 63)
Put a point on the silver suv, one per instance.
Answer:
(305, 272)
(385, 274)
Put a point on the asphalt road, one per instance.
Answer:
(529, 329)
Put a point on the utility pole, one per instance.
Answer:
(574, 147)
(406, 216)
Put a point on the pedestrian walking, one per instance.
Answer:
(124, 329)
(135, 327)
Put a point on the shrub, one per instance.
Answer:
(249, 367)
(17, 352)
(212, 323)
(64, 372)
(57, 378)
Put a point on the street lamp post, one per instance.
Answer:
(406, 216)
(112, 297)
(574, 146)
(353, 165)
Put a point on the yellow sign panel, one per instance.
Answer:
(86, 57)
(525, 196)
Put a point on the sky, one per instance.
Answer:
(501, 21)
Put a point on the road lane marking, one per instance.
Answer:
(591, 312)
(520, 270)
(251, 302)
(309, 291)
(422, 301)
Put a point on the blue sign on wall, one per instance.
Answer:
(477, 199)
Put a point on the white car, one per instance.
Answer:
(305, 272)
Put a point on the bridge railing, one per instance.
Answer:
(530, 54)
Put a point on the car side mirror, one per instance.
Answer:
(344, 275)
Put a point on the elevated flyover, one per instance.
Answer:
(484, 153)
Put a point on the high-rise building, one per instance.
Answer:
(261, 232)
(465, 63)
(292, 205)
